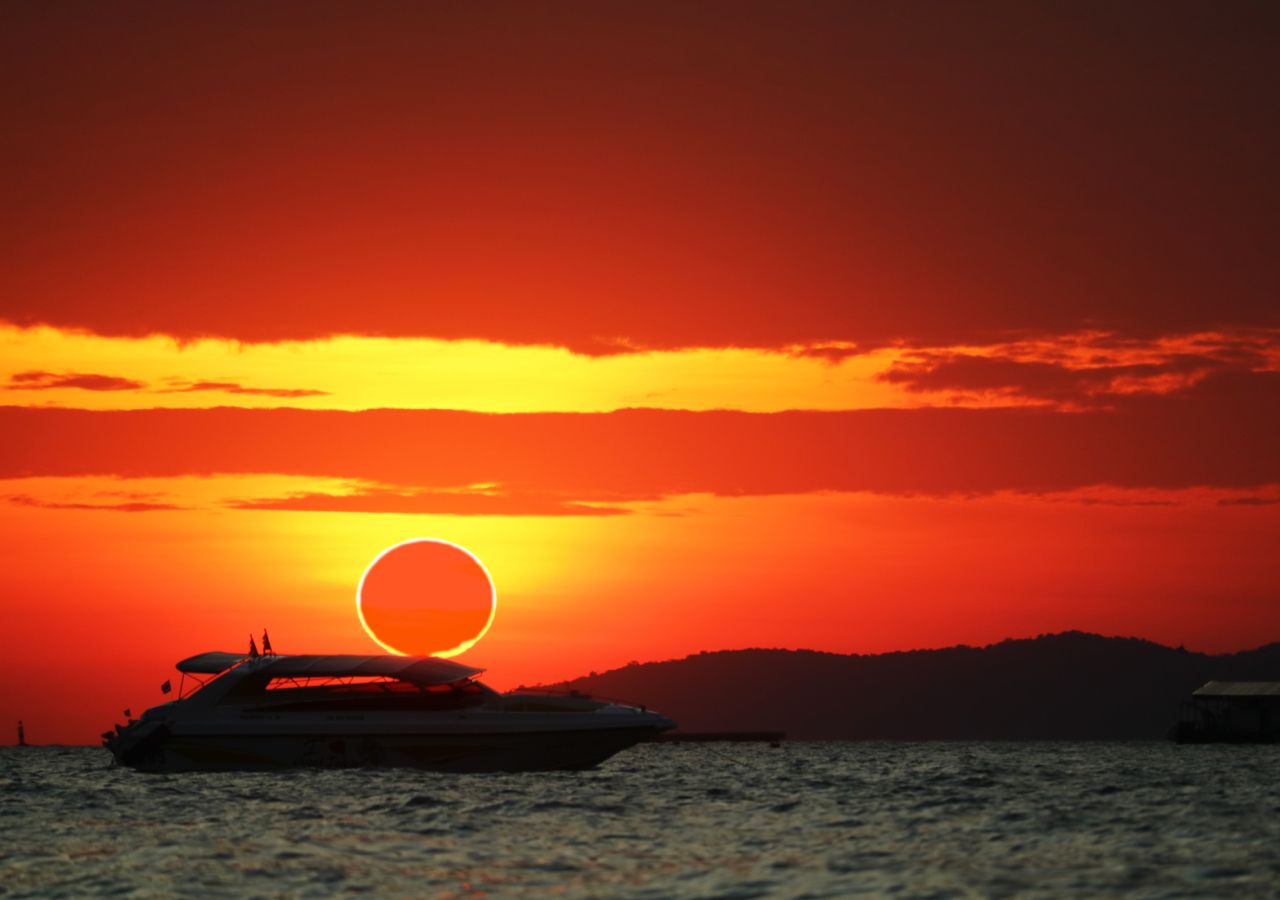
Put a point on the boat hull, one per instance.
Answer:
(161, 750)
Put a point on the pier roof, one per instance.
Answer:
(1238, 689)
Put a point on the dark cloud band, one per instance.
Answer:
(1219, 433)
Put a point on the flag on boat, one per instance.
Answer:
(253, 648)
(166, 687)
(266, 643)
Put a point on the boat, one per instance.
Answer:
(284, 711)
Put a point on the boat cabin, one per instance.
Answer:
(334, 683)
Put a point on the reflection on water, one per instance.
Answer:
(822, 819)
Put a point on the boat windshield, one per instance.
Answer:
(354, 694)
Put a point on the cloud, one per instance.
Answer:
(828, 353)
(1220, 432)
(441, 503)
(231, 387)
(1059, 382)
(131, 495)
(131, 506)
(47, 381)
(768, 178)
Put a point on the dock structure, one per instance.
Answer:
(702, 737)
(1231, 712)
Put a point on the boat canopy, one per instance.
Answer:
(209, 663)
(1238, 689)
(419, 670)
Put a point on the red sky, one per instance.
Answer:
(851, 327)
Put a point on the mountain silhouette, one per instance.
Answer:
(1069, 686)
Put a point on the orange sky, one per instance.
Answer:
(704, 326)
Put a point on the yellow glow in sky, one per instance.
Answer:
(367, 372)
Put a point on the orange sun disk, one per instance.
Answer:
(426, 597)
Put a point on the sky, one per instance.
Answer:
(852, 327)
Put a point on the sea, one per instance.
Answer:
(664, 820)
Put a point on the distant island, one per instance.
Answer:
(1069, 686)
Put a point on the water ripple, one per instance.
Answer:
(803, 820)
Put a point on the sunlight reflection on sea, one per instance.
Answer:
(742, 820)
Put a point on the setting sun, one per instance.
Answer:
(426, 597)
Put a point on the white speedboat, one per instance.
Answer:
(274, 711)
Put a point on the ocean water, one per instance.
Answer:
(664, 820)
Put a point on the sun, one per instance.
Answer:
(426, 597)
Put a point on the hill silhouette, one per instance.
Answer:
(1069, 686)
